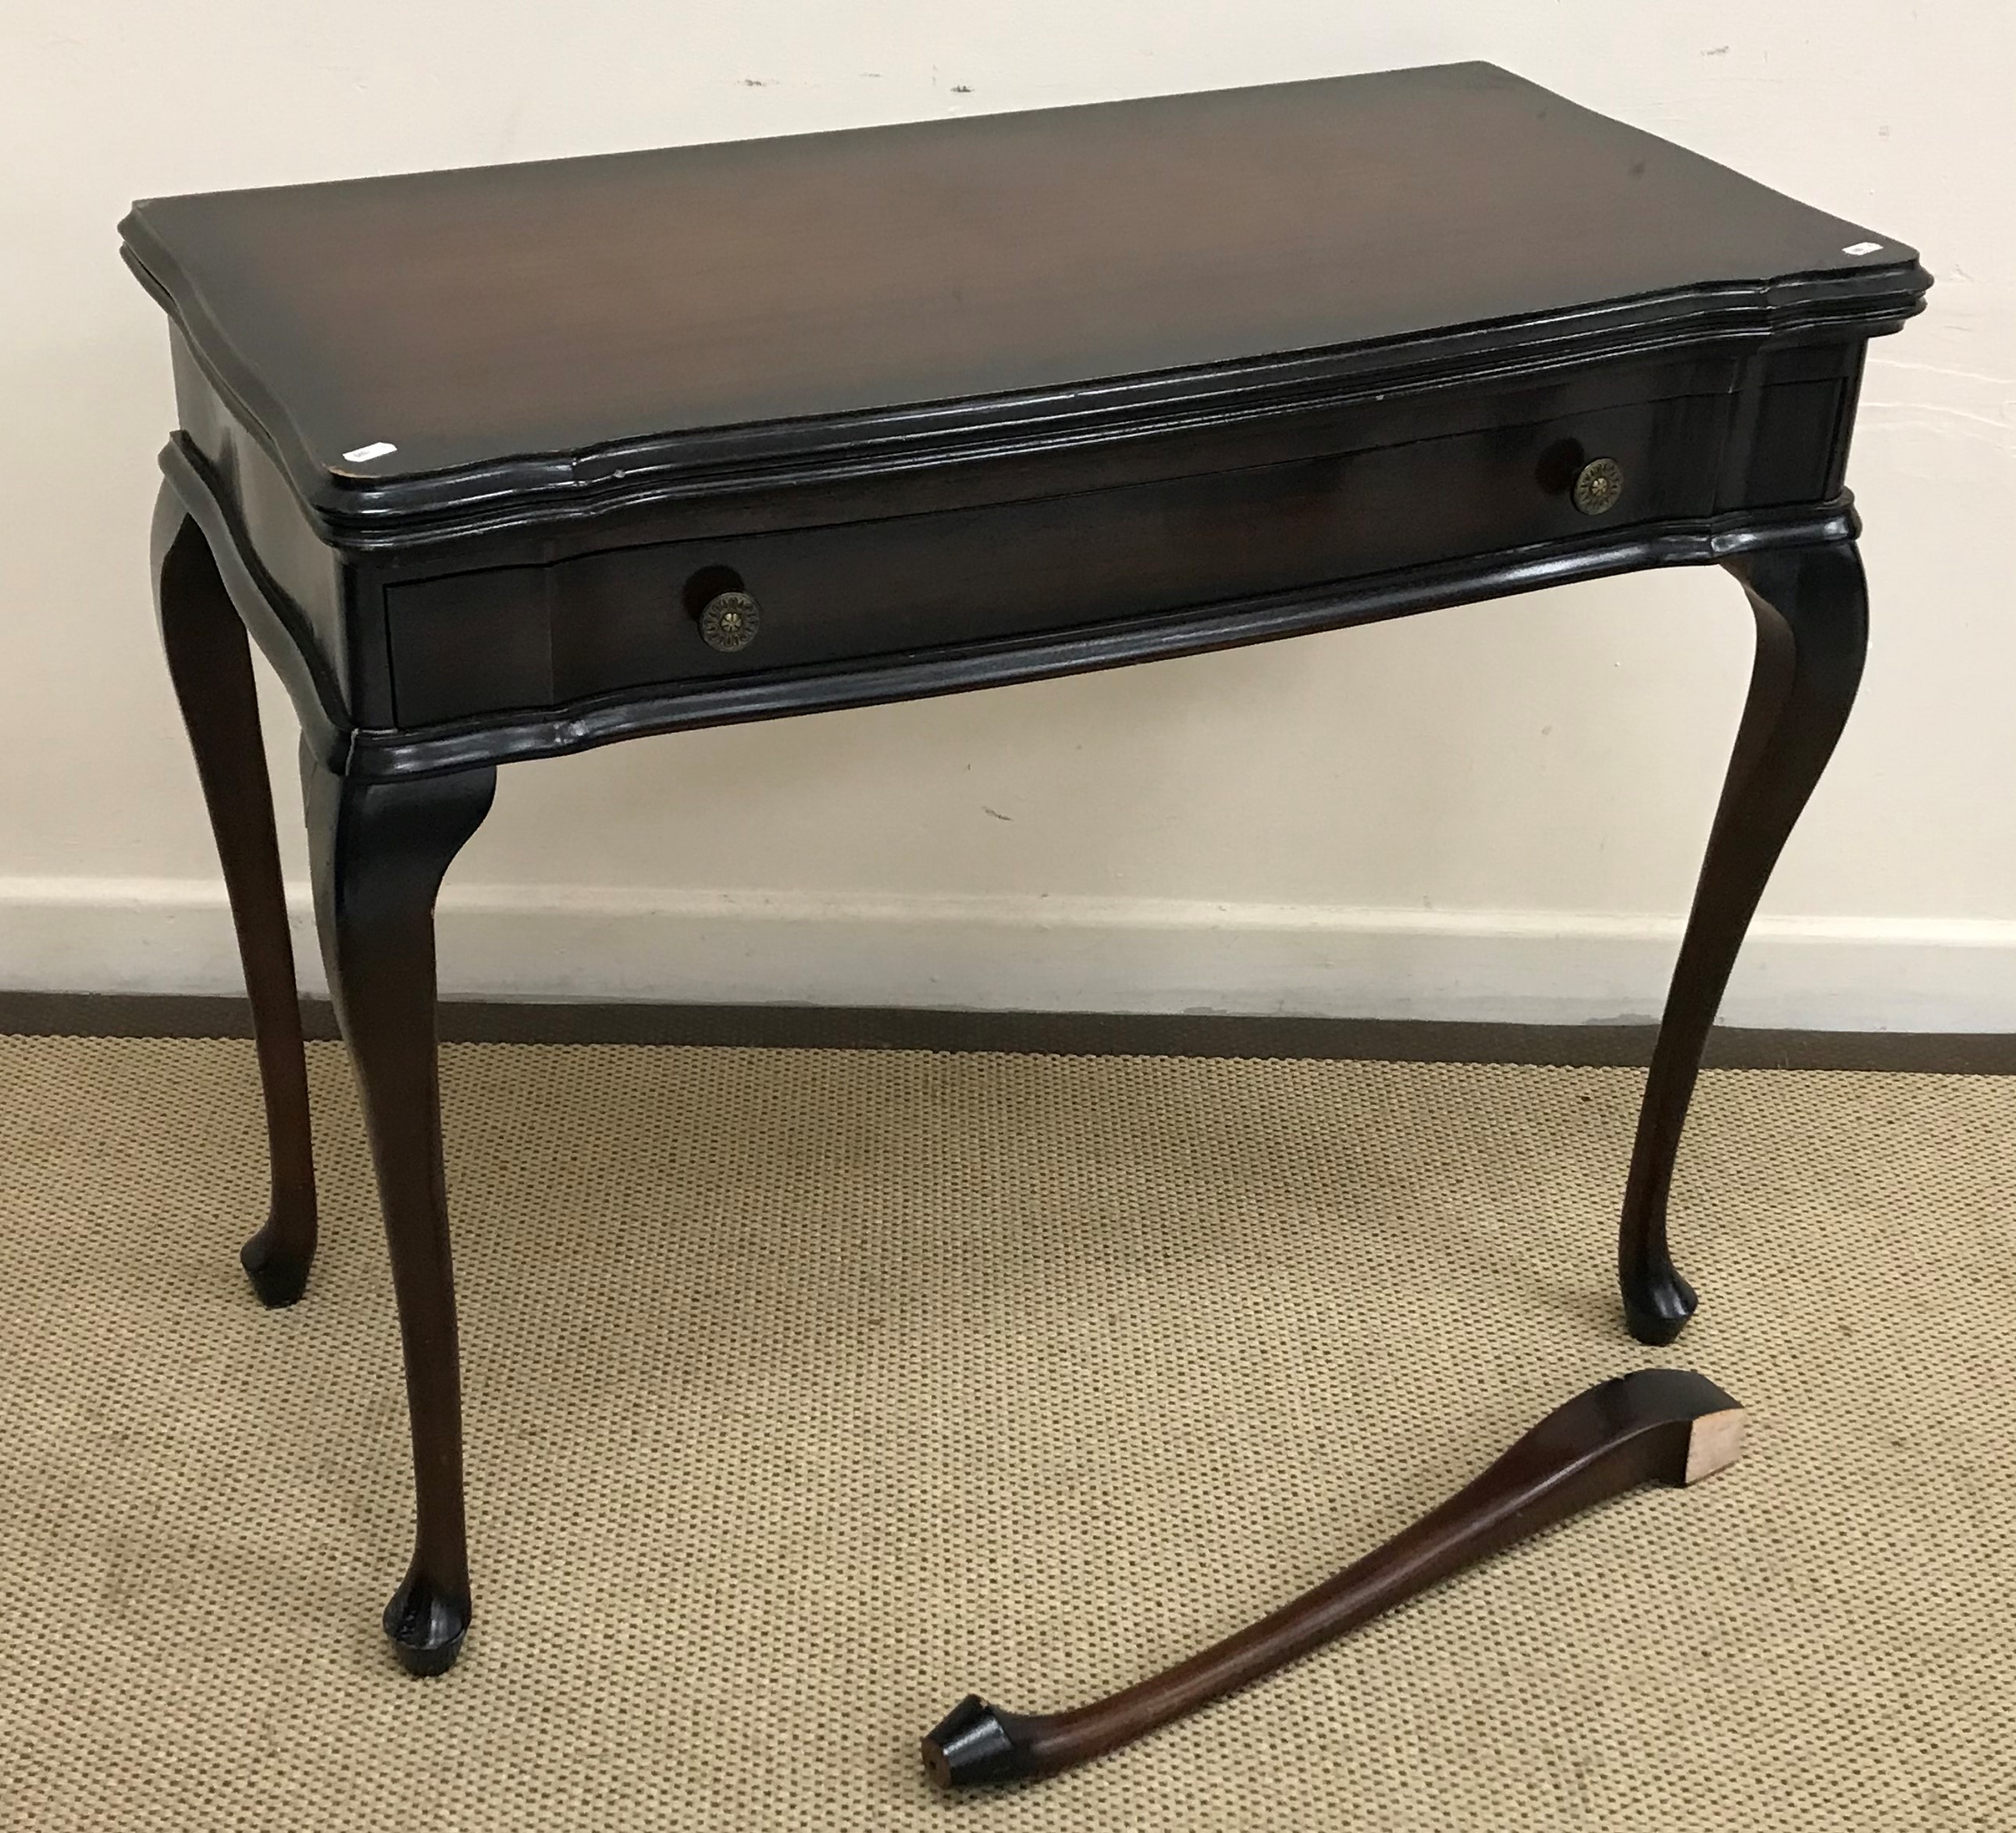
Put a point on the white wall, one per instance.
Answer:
(1496, 810)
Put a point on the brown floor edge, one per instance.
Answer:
(1053, 1033)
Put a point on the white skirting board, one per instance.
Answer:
(1038, 953)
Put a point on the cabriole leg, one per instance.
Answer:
(210, 662)
(1812, 623)
(380, 850)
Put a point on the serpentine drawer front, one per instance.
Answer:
(503, 463)
(527, 636)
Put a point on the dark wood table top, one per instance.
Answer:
(570, 325)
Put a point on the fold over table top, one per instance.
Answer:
(668, 318)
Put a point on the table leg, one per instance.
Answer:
(210, 662)
(1665, 1425)
(1812, 622)
(378, 851)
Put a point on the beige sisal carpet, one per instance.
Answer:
(808, 1391)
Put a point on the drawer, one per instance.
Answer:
(510, 638)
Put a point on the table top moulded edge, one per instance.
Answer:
(900, 456)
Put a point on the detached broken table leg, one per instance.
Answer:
(1664, 1425)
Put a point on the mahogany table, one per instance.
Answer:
(502, 463)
